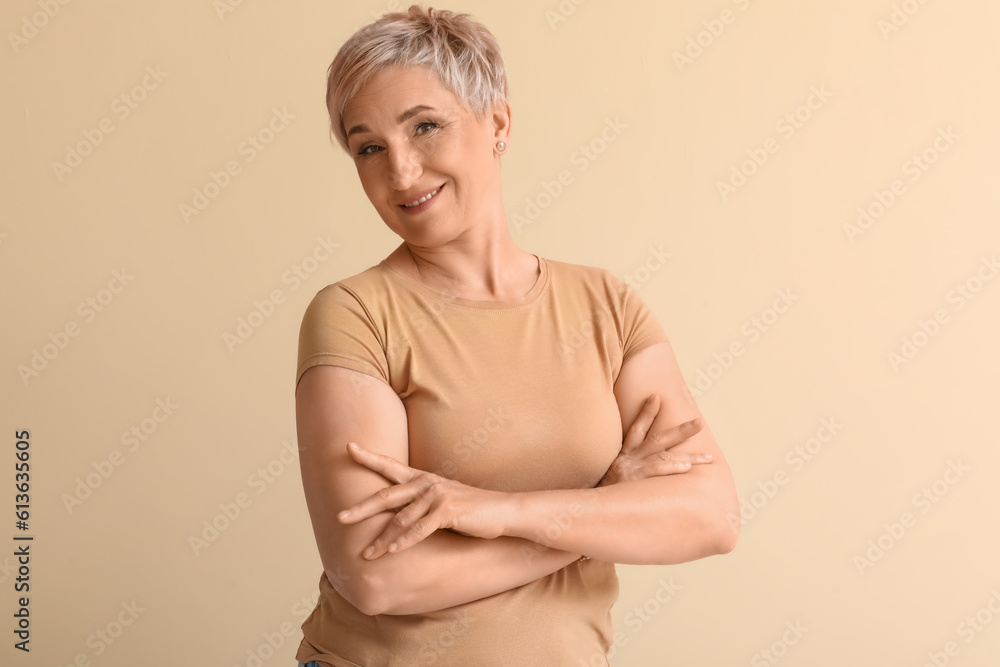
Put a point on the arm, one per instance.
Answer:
(657, 520)
(335, 406)
(662, 520)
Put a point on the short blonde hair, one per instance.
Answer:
(463, 54)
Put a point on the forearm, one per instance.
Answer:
(447, 569)
(659, 520)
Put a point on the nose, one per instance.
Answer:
(404, 167)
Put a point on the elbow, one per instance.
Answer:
(723, 519)
(368, 590)
(718, 523)
(362, 588)
(717, 535)
(727, 530)
(727, 538)
(710, 534)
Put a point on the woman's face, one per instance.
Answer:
(425, 161)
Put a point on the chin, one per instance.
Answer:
(429, 233)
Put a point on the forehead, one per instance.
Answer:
(393, 90)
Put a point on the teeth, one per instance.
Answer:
(421, 200)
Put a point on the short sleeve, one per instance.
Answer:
(338, 330)
(640, 328)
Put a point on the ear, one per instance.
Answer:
(501, 118)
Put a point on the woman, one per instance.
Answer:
(478, 517)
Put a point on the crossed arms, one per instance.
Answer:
(662, 502)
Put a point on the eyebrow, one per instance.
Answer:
(403, 117)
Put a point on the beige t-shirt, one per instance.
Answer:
(511, 396)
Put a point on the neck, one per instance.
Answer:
(486, 265)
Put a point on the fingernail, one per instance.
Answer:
(393, 547)
(352, 446)
(344, 514)
(707, 457)
(368, 552)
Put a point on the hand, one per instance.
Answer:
(428, 502)
(646, 454)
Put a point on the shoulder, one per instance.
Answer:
(344, 302)
(598, 289)
(589, 279)
(360, 284)
(358, 292)
(578, 270)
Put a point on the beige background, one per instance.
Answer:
(842, 547)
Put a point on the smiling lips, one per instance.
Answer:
(423, 199)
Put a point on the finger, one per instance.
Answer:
(410, 525)
(418, 531)
(664, 463)
(388, 467)
(625, 467)
(681, 432)
(694, 458)
(640, 426)
(386, 498)
(663, 441)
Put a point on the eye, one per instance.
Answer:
(425, 127)
(367, 150)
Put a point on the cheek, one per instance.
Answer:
(371, 183)
(469, 162)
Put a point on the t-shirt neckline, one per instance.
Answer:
(532, 295)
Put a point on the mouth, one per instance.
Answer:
(423, 199)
